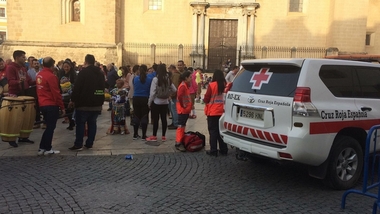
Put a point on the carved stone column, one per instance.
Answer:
(198, 34)
(195, 30)
(251, 27)
(201, 35)
(249, 11)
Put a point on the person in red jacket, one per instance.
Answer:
(17, 75)
(18, 82)
(183, 106)
(50, 101)
(214, 100)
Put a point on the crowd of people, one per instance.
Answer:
(77, 93)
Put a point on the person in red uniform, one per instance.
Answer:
(50, 101)
(183, 106)
(214, 100)
(18, 82)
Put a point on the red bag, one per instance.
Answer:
(193, 141)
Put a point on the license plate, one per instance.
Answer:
(252, 114)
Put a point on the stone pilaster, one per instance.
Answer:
(198, 34)
(249, 11)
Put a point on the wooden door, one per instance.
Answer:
(222, 43)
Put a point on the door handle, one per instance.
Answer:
(366, 108)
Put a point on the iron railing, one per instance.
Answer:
(145, 53)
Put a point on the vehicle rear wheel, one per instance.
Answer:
(345, 163)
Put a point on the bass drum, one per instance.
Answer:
(29, 116)
(11, 114)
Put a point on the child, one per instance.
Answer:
(66, 87)
(118, 98)
(184, 106)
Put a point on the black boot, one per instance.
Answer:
(25, 140)
(13, 144)
(212, 153)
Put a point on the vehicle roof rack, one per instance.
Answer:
(357, 57)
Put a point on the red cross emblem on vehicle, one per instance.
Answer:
(260, 77)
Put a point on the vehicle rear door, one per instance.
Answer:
(259, 104)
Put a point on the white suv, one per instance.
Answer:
(312, 111)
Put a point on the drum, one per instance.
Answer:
(29, 116)
(11, 115)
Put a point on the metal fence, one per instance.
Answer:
(260, 52)
(145, 53)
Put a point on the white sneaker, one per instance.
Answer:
(41, 152)
(51, 152)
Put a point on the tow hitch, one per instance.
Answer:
(241, 155)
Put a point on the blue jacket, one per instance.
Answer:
(141, 89)
(152, 75)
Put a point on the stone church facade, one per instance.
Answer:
(203, 33)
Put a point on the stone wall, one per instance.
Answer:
(348, 25)
(276, 26)
(60, 51)
(44, 21)
(373, 27)
(173, 24)
(40, 28)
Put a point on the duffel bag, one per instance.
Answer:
(193, 141)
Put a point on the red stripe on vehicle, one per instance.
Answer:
(284, 139)
(225, 124)
(276, 138)
(245, 131)
(253, 132)
(240, 128)
(268, 136)
(336, 126)
(234, 128)
(260, 134)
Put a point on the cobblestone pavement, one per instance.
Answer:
(164, 183)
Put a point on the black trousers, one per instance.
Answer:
(141, 110)
(213, 129)
(159, 111)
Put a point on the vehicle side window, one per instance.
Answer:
(369, 81)
(338, 79)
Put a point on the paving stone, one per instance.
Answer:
(164, 183)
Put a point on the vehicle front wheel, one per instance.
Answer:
(345, 163)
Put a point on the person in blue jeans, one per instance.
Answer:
(175, 77)
(88, 99)
(50, 101)
(173, 111)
